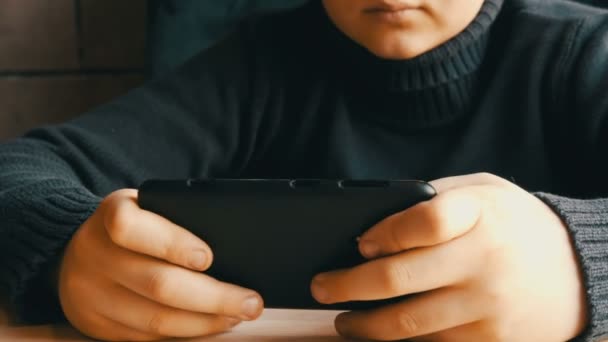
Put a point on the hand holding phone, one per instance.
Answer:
(129, 274)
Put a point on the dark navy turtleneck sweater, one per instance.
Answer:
(521, 93)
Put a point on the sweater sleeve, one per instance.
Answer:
(588, 223)
(587, 129)
(198, 121)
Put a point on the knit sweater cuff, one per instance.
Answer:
(587, 221)
(38, 229)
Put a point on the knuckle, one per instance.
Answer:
(176, 250)
(118, 221)
(491, 179)
(496, 300)
(158, 324)
(492, 294)
(487, 177)
(167, 249)
(433, 216)
(394, 233)
(223, 308)
(499, 333)
(223, 303)
(408, 325)
(497, 256)
(396, 276)
(159, 287)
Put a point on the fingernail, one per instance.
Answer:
(369, 249)
(251, 307)
(232, 321)
(198, 260)
(318, 291)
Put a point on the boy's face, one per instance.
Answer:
(402, 29)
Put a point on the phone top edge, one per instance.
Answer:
(298, 184)
(342, 182)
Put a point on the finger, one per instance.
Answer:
(147, 233)
(95, 325)
(184, 289)
(402, 274)
(475, 331)
(424, 314)
(142, 314)
(108, 330)
(450, 183)
(446, 217)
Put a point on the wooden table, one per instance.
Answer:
(273, 326)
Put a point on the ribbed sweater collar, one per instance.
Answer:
(434, 88)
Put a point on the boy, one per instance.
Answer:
(426, 89)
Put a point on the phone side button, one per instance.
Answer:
(304, 183)
(364, 184)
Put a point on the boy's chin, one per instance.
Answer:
(398, 49)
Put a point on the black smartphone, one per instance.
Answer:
(274, 236)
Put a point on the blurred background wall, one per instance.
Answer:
(59, 58)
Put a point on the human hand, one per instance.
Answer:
(129, 274)
(483, 261)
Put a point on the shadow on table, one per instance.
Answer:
(42, 333)
(68, 334)
(274, 326)
(229, 338)
(298, 339)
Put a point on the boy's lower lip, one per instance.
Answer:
(393, 16)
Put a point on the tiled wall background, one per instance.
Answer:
(59, 58)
